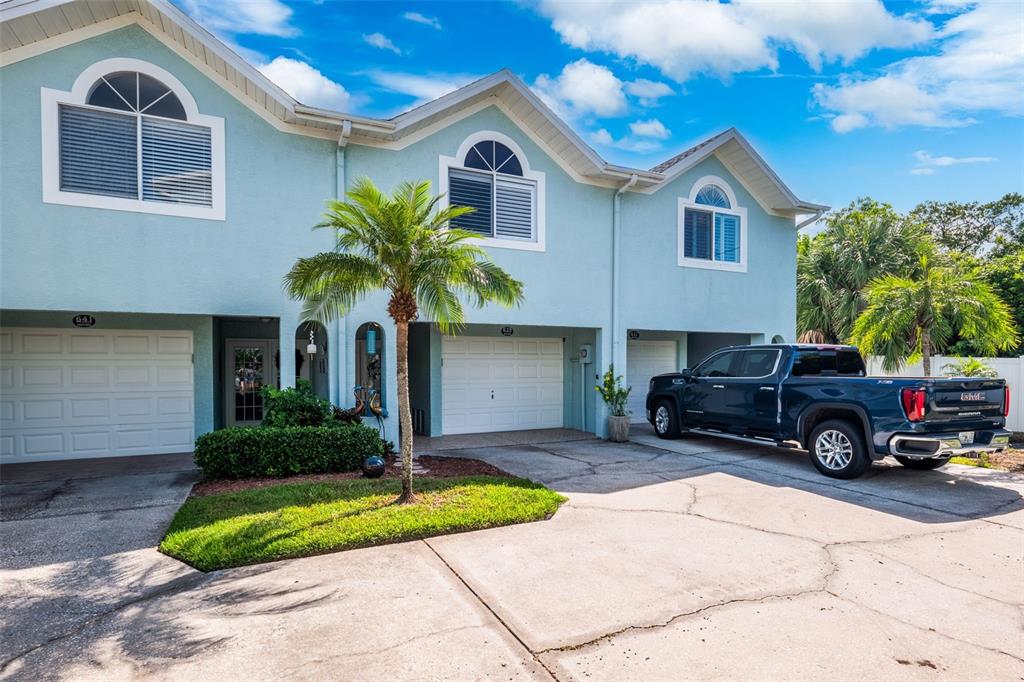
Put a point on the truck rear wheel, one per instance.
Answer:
(837, 449)
(666, 421)
(921, 464)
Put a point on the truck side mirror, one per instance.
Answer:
(686, 373)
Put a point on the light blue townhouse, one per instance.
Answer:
(155, 188)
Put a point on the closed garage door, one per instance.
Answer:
(87, 393)
(644, 360)
(490, 384)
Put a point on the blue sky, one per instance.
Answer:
(903, 102)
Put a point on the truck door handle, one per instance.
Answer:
(767, 388)
(717, 386)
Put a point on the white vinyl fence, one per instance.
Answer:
(1011, 369)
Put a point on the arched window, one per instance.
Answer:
(490, 175)
(128, 137)
(778, 338)
(369, 365)
(712, 195)
(712, 228)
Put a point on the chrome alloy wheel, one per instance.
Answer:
(833, 449)
(661, 419)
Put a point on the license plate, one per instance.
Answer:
(967, 437)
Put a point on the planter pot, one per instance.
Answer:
(618, 429)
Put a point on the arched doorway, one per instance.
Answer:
(311, 357)
(369, 369)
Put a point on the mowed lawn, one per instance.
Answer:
(294, 520)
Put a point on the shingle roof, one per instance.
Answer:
(665, 165)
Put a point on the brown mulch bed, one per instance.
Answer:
(437, 467)
(1008, 460)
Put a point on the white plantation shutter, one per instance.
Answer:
(98, 152)
(514, 209)
(176, 162)
(475, 191)
(727, 238)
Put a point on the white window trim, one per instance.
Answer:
(52, 99)
(736, 210)
(445, 163)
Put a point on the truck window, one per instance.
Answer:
(829, 362)
(757, 363)
(716, 366)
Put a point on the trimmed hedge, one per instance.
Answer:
(270, 451)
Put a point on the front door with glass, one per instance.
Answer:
(249, 366)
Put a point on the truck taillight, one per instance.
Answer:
(913, 400)
(1006, 401)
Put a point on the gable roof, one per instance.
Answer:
(30, 27)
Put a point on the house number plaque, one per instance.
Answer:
(507, 331)
(83, 320)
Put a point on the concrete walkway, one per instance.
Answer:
(692, 559)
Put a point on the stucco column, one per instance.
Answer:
(335, 366)
(604, 354)
(286, 349)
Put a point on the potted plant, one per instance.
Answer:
(615, 396)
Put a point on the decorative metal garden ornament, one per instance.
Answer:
(373, 466)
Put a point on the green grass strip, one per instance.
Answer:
(285, 521)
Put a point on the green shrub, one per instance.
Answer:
(297, 406)
(269, 451)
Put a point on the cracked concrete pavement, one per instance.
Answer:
(694, 558)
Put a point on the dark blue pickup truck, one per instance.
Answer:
(819, 398)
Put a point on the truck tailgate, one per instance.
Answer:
(965, 399)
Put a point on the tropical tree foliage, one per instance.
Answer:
(917, 314)
(400, 244)
(861, 242)
(972, 227)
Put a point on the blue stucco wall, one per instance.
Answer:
(659, 294)
(64, 257)
(568, 284)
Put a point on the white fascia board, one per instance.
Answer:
(12, 9)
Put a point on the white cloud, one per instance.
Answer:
(306, 84)
(729, 38)
(650, 128)
(424, 87)
(648, 92)
(978, 66)
(418, 18)
(260, 17)
(602, 136)
(582, 88)
(381, 41)
(630, 143)
(926, 163)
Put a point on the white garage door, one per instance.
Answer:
(504, 384)
(68, 394)
(644, 360)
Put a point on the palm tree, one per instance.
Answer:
(920, 313)
(400, 244)
(861, 242)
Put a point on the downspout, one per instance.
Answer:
(808, 221)
(340, 325)
(616, 264)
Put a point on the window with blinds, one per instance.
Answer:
(130, 140)
(713, 231)
(504, 203)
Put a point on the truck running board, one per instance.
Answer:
(756, 440)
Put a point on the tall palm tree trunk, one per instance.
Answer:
(404, 415)
(926, 351)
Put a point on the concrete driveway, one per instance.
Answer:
(693, 558)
